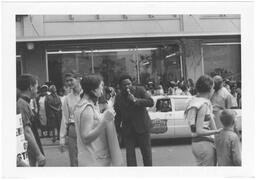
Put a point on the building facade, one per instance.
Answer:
(157, 48)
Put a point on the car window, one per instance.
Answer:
(180, 103)
(163, 105)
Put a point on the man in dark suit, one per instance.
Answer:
(133, 120)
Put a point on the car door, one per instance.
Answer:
(181, 127)
(162, 124)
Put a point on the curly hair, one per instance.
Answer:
(204, 84)
(123, 77)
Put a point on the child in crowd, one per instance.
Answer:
(227, 142)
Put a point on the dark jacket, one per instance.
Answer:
(53, 110)
(133, 116)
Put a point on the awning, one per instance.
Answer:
(119, 36)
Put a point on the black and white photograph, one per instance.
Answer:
(145, 89)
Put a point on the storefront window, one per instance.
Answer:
(111, 64)
(157, 63)
(60, 64)
(223, 59)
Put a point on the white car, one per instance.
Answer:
(167, 116)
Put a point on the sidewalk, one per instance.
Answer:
(47, 141)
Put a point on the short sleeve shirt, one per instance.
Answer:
(219, 99)
(228, 148)
(26, 112)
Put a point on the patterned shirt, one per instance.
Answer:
(228, 148)
(24, 108)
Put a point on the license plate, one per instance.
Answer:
(159, 126)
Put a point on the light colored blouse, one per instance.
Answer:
(97, 152)
(191, 115)
(221, 100)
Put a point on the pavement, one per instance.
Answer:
(164, 153)
(48, 142)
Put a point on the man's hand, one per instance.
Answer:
(41, 160)
(130, 96)
(109, 115)
(219, 130)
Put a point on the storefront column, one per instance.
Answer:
(92, 62)
(182, 51)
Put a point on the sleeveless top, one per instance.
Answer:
(97, 152)
(191, 116)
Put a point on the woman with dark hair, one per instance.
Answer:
(93, 139)
(185, 91)
(199, 115)
(53, 112)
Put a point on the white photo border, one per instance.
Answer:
(8, 102)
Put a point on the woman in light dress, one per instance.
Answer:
(200, 118)
(96, 137)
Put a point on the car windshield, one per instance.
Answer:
(163, 105)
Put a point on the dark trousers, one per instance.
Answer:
(144, 143)
(72, 146)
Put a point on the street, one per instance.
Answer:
(165, 153)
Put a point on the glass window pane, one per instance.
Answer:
(55, 69)
(149, 62)
(68, 62)
(224, 59)
(113, 63)
(84, 63)
(159, 64)
(60, 64)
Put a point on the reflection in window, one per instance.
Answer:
(158, 64)
(60, 64)
(112, 64)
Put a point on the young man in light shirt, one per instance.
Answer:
(67, 129)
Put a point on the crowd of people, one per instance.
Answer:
(214, 137)
(188, 89)
(86, 117)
